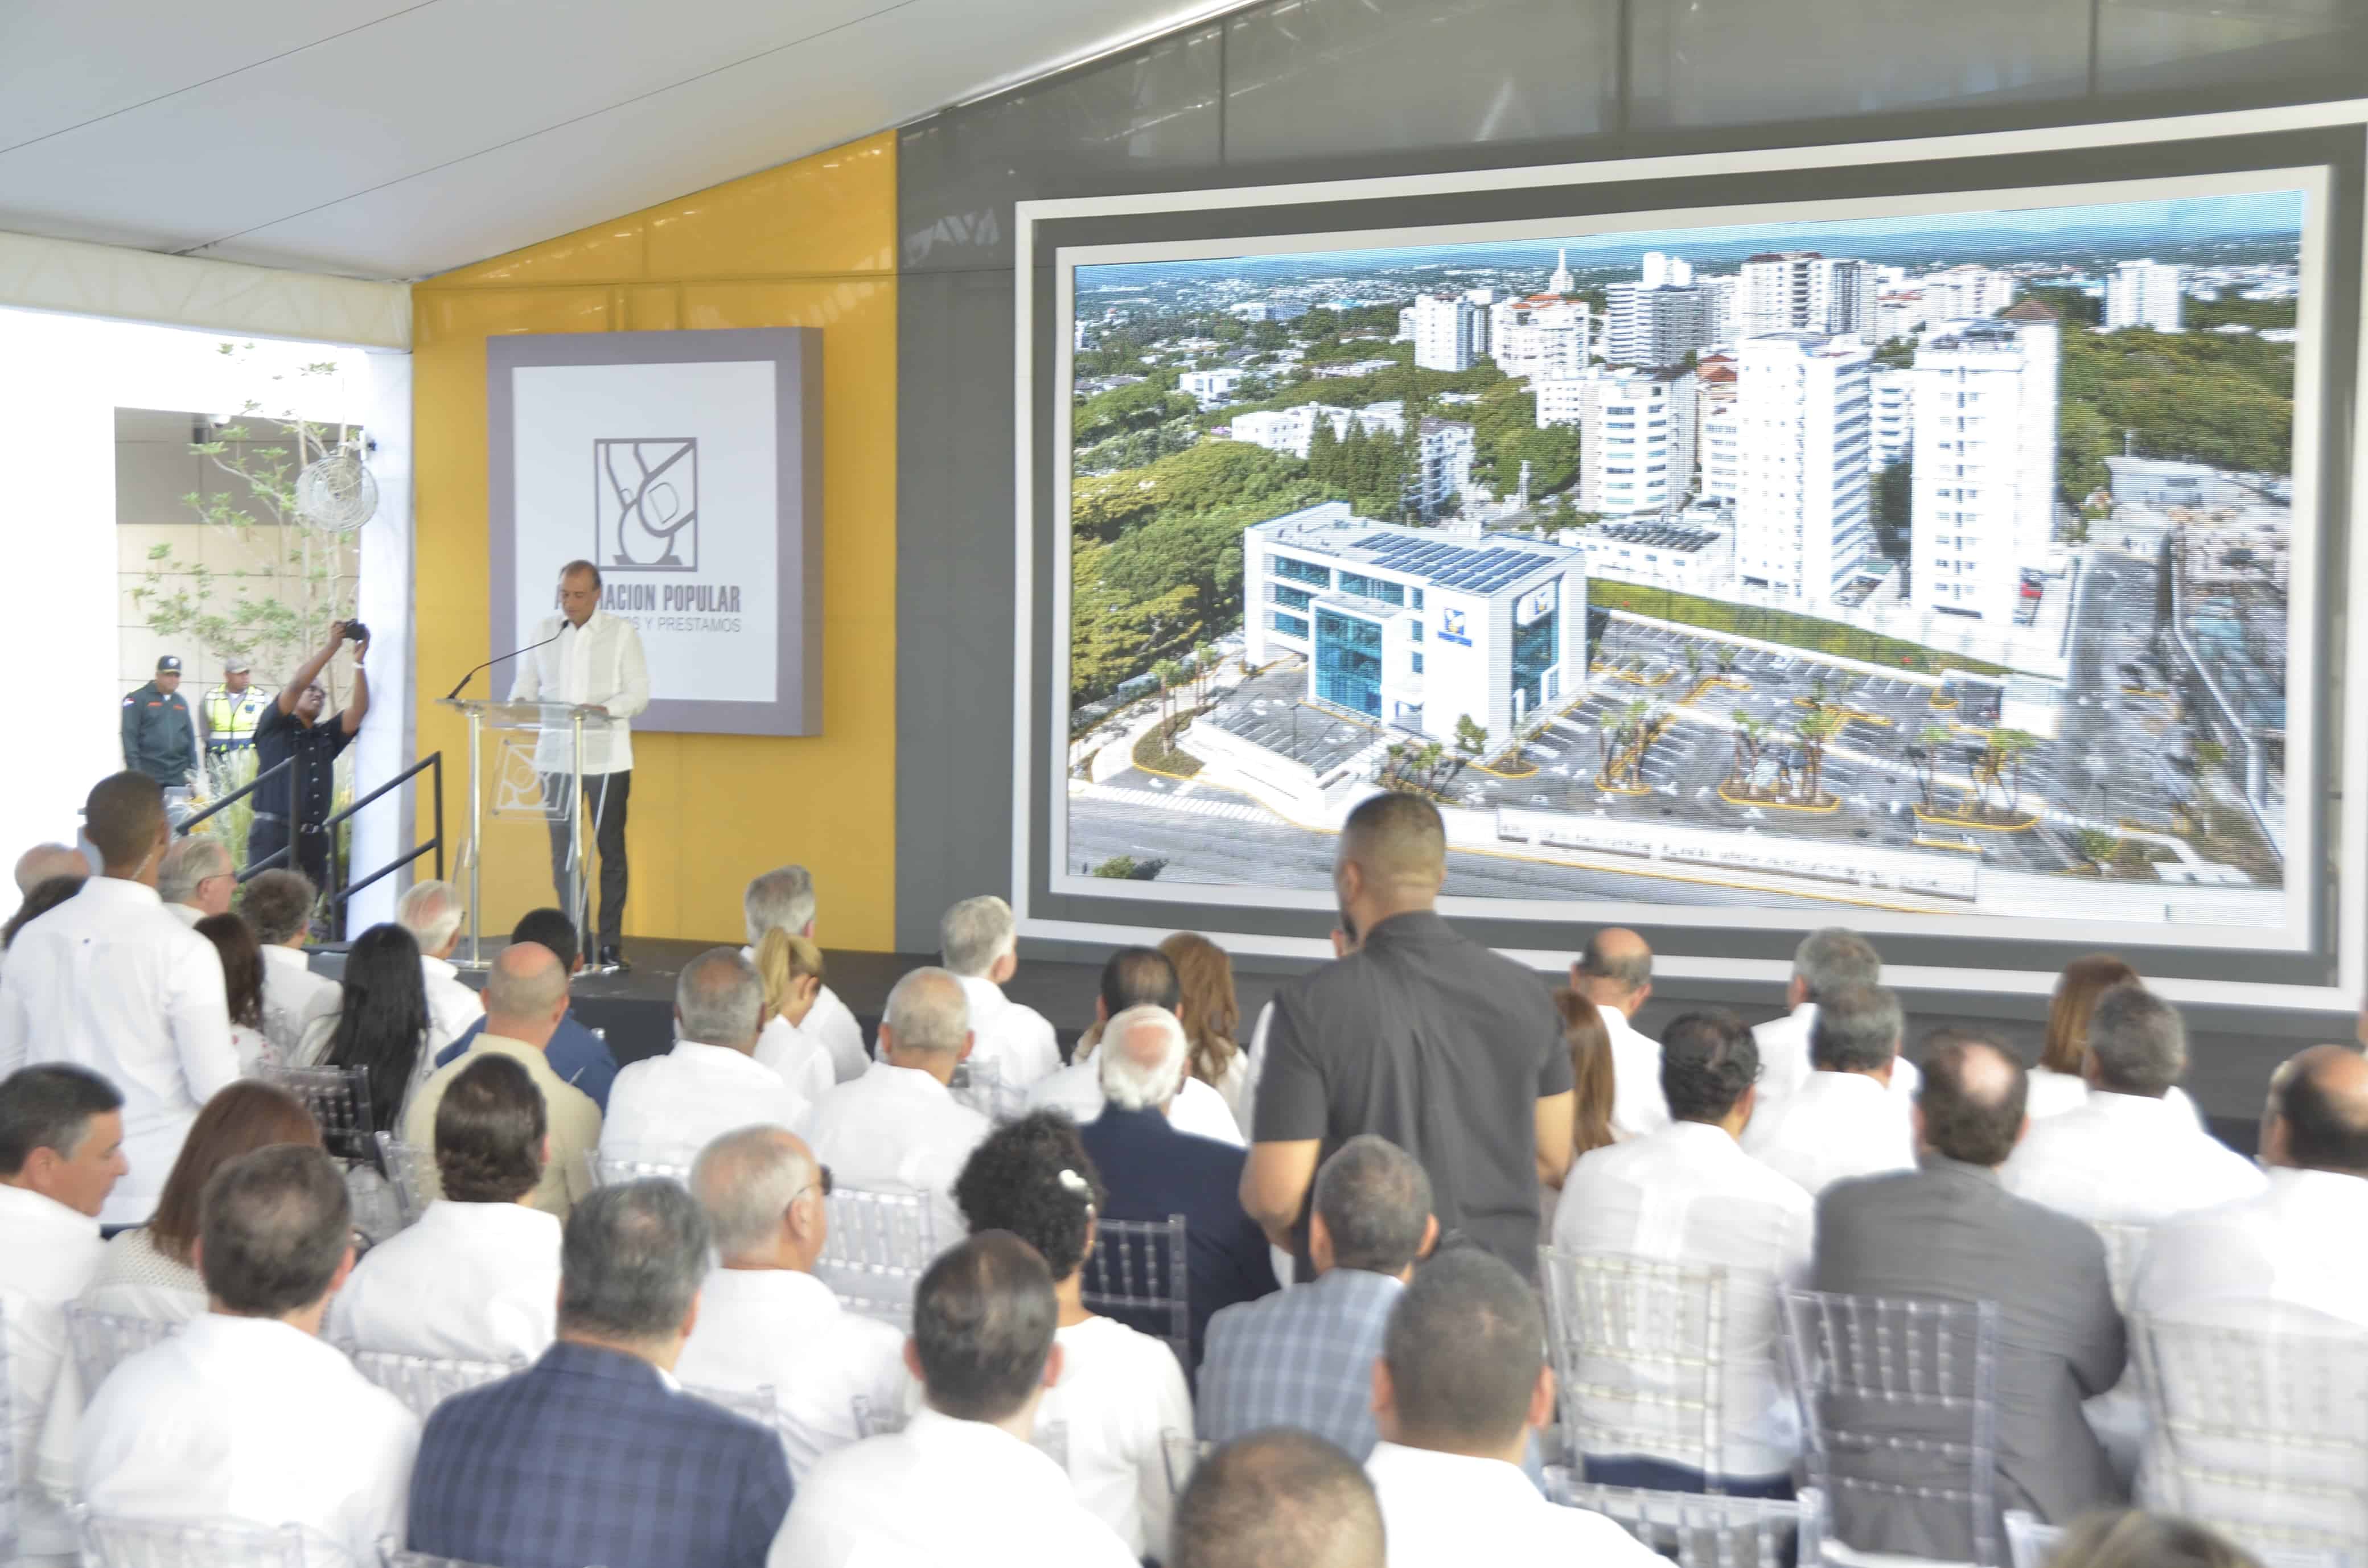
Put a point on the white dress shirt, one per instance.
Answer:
(598, 664)
(829, 1021)
(1011, 1037)
(252, 1420)
(2126, 1160)
(1838, 1126)
(2054, 1093)
(800, 1057)
(664, 1110)
(1689, 1195)
(1077, 1089)
(133, 1280)
(452, 1007)
(942, 1491)
(1120, 1389)
(186, 913)
(48, 1253)
(110, 982)
(1638, 1106)
(1451, 1511)
(293, 996)
(469, 1282)
(2294, 1244)
(774, 1329)
(1784, 1063)
(896, 1129)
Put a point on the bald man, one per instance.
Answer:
(42, 861)
(1424, 1037)
(525, 996)
(1615, 972)
(1948, 1230)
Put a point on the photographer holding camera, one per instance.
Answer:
(292, 728)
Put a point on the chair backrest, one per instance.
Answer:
(2029, 1542)
(100, 1340)
(1702, 1531)
(423, 1382)
(615, 1173)
(2260, 1432)
(10, 1527)
(1137, 1271)
(392, 1556)
(879, 1245)
(402, 1162)
(982, 1087)
(1639, 1353)
(2125, 1247)
(1898, 1401)
(339, 1099)
(112, 1542)
(1183, 1453)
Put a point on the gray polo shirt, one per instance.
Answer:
(1437, 1044)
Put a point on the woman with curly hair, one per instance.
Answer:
(1120, 1389)
(1212, 1016)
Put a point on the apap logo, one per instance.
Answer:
(645, 504)
(1450, 626)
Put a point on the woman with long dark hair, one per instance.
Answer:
(382, 1026)
(242, 961)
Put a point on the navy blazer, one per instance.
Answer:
(575, 1054)
(595, 1456)
(1153, 1170)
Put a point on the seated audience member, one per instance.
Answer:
(1278, 1496)
(382, 1026)
(1591, 1091)
(247, 1415)
(61, 1154)
(2292, 1251)
(664, 1109)
(984, 1347)
(1949, 1231)
(1212, 1014)
(477, 1277)
(1843, 1120)
(595, 1454)
(1462, 1384)
(196, 877)
(765, 1322)
(791, 968)
(898, 1128)
(2060, 1082)
(1120, 1389)
(279, 905)
(46, 895)
(2133, 1539)
(785, 897)
(980, 943)
(432, 911)
(576, 1055)
(2127, 1155)
(526, 998)
(1304, 1357)
(1826, 961)
(1153, 1170)
(1689, 1195)
(242, 961)
(44, 861)
(1133, 977)
(1615, 972)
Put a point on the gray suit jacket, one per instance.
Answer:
(1950, 1232)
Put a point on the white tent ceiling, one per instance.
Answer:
(393, 139)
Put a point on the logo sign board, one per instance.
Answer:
(1450, 626)
(1533, 604)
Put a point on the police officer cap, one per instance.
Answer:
(236, 667)
(168, 664)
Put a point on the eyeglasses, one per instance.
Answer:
(825, 1184)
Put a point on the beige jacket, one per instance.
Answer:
(574, 1122)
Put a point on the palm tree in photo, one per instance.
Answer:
(1815, 729)
(2012, 746)
(1203, 666)
(1693, 665)
(1750, 732)
(1926, 754)
(1170, 673)
(1726, 655)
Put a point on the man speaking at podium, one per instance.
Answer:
(589, 659)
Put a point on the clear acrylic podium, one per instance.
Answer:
(517, 750)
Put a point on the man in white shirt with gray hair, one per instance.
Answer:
(432, 911)
(1844, 1120)
(1615, 972)
(1827, 960)
(278, 905)
(664, 1110)
(784, 897)
(980, 942)
(197, 878)
(247, 1415)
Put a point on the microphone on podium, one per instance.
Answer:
(513, 653)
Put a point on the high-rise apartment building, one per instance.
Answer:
(2142, 293)
(1966, 293)
(1891, 402)
(1636, 436)
(1542, 336)
(1651, 326)
(1803, 290)
(1984, 453)
(1720, 444)
(1441, 468)
(1801, 530)
(1448, 332)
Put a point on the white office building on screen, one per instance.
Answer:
(1414, 630)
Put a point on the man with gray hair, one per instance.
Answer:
(898, 1128)
(765, 1322)
(279, 905)
(42, 861)
(1153, 1170)
(1614, 971)
(433, 912)
(980, 942)
(595, 1454)
(784, 897)
(1827, 960)
(1843, 1122)
(2128, 1154)
(1304, 1357)
(664, 1110)
(196, 877)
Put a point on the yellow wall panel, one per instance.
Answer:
(811, 243)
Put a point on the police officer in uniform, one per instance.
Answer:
(160, 738)
(226, 721)
(292, 727)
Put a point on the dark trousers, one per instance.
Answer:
(1660, 1476)
(267, 833)
(606, 797)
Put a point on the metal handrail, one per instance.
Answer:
(433, 761)
(244, 791)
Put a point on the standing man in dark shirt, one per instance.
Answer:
(160, 739)
(300, 799)
(1428, 1040)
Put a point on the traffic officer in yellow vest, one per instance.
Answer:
(227, 718)
(159, 737)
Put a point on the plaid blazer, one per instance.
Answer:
(1302, 1359)
(593, 1456)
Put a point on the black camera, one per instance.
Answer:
(357, 632)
